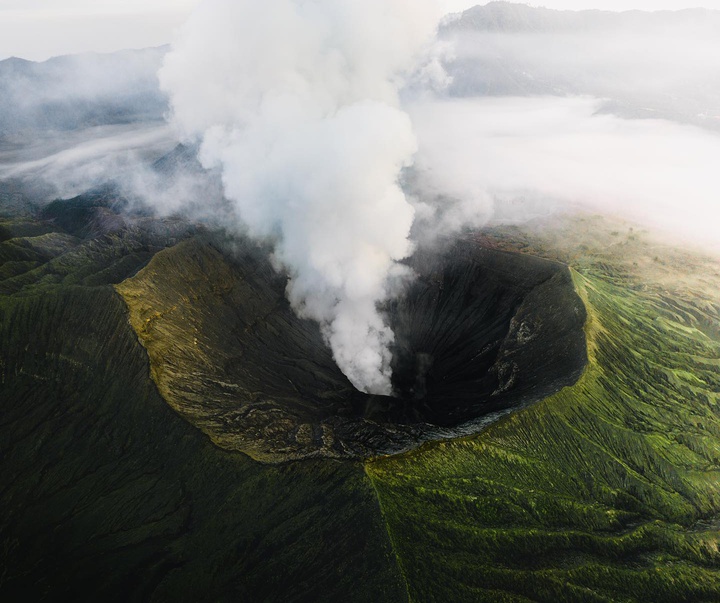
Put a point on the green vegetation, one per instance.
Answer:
(108, 495)
(606, 491)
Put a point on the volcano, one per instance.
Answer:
(170, 430)
(109, 494)
(479, 333)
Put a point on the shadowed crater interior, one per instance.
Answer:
(478, 333)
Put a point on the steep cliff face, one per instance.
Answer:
(478, 333)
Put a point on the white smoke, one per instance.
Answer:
(297, 102)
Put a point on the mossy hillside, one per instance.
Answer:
(107, 495)
(82, 241)
(607, 491)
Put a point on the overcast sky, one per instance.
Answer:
(39, 29)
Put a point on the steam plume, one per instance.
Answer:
(297, 102)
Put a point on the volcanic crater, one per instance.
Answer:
(479, 333)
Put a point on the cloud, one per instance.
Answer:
(42, 9)
(646, 64)
(39, 29)
(86, 158)
(77, 92)
(512, 158)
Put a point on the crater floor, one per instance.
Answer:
(479, 333)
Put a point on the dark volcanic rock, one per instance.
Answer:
(479, 333)
(484, 330)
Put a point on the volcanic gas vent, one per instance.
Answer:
(478, 333)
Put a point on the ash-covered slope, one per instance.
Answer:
(479, 333)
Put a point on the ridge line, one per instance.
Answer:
(391, 538)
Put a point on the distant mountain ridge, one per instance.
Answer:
(661, 64)
(509, 17)
(77, 91)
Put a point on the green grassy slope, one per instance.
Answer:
(607, 491)
(107, 495)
